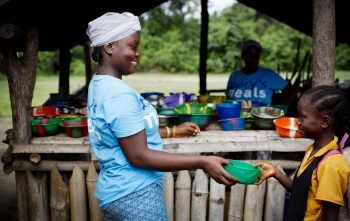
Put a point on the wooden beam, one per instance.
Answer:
(323, 30)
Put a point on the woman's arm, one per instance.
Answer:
(182, 130)
(139, 155)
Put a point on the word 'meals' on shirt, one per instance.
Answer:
(247, 93)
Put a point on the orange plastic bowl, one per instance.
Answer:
(287, 127)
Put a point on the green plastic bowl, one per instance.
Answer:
(202, 120)
(244, 171)
(166, 111)
(42, 127)
(264, 116)
(193, 108)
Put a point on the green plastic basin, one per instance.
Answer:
(244, 171)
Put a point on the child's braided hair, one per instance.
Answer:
(333, 102)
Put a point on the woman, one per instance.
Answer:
(123, 129)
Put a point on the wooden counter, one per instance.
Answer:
(206, 141)
(212, 141)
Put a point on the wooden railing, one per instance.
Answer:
(55, 187)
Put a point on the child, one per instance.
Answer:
(323, 116)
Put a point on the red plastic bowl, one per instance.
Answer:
(43, 127)
(44, 111)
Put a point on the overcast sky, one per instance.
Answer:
(219, 5)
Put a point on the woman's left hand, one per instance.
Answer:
(187, 129)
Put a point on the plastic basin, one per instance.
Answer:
(264, 116)
(232, 124)
(193, 109)
(75, 128)
(166, 111)
(244, 171)
(202, 120)
(44, 111)
(228, 110)
(287, 127)
(43, 127)
(207, 99)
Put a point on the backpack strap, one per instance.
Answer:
(335, 151)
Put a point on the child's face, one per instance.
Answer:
(309, 120)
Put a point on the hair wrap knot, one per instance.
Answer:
(111, 27)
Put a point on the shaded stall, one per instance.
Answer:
(27, 27)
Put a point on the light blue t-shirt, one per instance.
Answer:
(258, 86)
(115, 110)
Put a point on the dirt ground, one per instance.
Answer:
(8, 198)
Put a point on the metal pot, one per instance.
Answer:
(168, 120)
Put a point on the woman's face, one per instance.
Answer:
(251, 57)
(309, 121)
(126, 54)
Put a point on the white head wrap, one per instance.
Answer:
(111, 27)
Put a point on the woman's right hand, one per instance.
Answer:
(213, 166)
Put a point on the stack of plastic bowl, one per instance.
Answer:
(199, 114)
(46, 126)
(75, 128)
(229, 116)
(232, 124)
(228, 110)
(167, 116)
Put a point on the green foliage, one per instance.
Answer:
(342, 57)
(170, 42)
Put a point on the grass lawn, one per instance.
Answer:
(141, 82)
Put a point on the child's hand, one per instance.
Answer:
(268, 170)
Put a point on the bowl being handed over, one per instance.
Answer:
(244, 171)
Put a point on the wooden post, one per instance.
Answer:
(22, 193)
(275, 198)
(182, 196)
(77, 190)
(21, 75)
(168, 190)
(217, 200)
(65, 60)
(59, 197)
(254, 202)
(199, 196)
(38, 202)
(91, 179)
(203, 48)
(88, 68)
(236, 208)
(323, 30)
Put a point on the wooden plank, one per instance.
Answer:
(50, 148)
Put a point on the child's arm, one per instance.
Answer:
(330, 211)
(270, 170)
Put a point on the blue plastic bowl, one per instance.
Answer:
(232, 124)
(228, 110)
